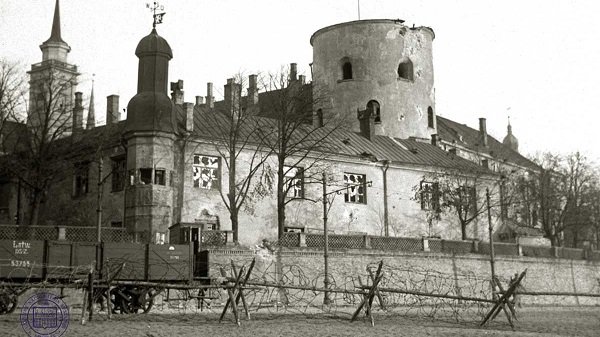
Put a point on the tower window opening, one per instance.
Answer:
(373, 107)
(430, 118)
(405, 69)
(346, 69)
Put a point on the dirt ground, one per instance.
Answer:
(566, 321)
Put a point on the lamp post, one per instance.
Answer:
(326, 208)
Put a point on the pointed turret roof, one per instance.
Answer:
(91, 118)
(55, 34)
(510, 140)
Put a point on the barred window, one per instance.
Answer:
(159, 177)
(206, 172)
(356, 188)
(430, 196)
(294, 177)
(118, 174)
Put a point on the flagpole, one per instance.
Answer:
(358, 9)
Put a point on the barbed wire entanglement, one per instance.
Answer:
(277, 287)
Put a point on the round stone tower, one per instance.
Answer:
(377, 65)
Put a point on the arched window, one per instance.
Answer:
(373, 106)
(405, 69)
(346, 69)
(430, 118)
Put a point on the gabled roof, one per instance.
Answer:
(467, 137)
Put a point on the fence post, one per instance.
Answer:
(62, 233)
(229, 238)
(302, 239)
(425, 244)
(519, 249)
(475, 246)
(367, 241)
(555, 252)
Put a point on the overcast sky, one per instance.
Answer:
(537, 61)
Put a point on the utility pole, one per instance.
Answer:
(487, 197)
(326, 299)
(99, 205)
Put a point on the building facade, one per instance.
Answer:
(161, 167)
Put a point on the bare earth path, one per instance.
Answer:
(565, 321)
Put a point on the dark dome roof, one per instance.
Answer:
(153, 44)
(150, 111)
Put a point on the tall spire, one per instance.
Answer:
(91, 118)
(55, 34)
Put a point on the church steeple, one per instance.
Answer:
(510, 140)
(55, 35)
(91, 118)
(55, 48)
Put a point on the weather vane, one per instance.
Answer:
(158, 17)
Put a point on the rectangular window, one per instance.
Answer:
(146, 176)
(430, 196)
(294, 179)
(206, 172)
(467, 199)
(118, 174)
(485, 163)
(80, 179)
(159, 177)
(356, 188)
(116, 224)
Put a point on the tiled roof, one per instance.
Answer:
(453, 132)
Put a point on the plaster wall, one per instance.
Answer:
(375, 48)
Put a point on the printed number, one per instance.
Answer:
(19, 263)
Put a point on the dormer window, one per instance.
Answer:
(346, 69)
(405, 69)
(373, 107)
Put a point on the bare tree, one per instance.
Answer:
(461, 194)
(234, 131)
(562, 192)
(298, 144)
(38, 157)
(12, 100)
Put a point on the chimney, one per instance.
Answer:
(210, 100)
(177, 92)
(232, 96)
(483, 132)
(434, 139)
(302, 79)
(78, 112)
(189, 116)
(366, 120)
(199, 100)
(252, 90)
(112, 109)
(293, 72)
(318, 120)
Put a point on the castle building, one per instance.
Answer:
(165, 168)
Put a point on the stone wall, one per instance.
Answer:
(466, 274)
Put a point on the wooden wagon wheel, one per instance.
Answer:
(121, 300)
(8, 301)
(143, 299)
(132, 299)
